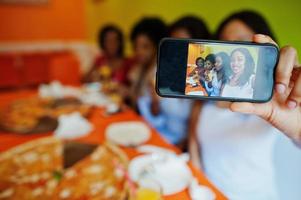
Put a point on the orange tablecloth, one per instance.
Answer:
(8, 140)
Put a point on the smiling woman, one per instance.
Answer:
(241, 80)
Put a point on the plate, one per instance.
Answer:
(149, 149)
(200, 93)
(171, 173)
(128, 133)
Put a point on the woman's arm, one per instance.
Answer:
(155, 99)
(193, 145)
(90, 76)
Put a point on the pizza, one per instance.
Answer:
(23, 115)
(38, 114)
(34, 170)
(101, 175)
(31, 170)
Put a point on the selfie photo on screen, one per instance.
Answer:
(221, 71)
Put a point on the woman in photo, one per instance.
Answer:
(221, 71)
(241, 80)
(208, 74)
(198, 72)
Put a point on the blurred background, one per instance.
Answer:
(47, 40)
(75, 24)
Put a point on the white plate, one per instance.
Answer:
(128, 133)
(171, 173)
(201, 93)
(149, 149)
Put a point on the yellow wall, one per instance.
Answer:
(81, 19)
(283, 15)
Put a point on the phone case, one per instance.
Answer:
(214, 98)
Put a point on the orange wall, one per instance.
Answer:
(58, 19)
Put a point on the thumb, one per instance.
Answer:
(243, 107)
(260, 109)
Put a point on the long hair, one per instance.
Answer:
(225, 70)
(211, 58)
(249, 66)
(252, 19)
(152, 27)
(195, 26)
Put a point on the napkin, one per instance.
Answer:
(72, 126)
(169, 171)
(56, 90)
(94, 99)
(200, 192)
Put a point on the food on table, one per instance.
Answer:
(31, 170)
(38, 115)
(168, 171)
(34, 170)
(99, 176)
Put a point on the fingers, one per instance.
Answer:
(262, 110)
(287, 61)
(247, 108)
(294, 98)
(260, 38)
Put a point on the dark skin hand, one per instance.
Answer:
(284, 109)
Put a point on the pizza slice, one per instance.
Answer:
(31, 170)
(99, 176)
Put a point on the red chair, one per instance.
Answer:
(10, 65)
(35, 69)
(65, 67)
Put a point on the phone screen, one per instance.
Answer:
(216, 70)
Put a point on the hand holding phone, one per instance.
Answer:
(283, 110)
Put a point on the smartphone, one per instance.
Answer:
(216, 70)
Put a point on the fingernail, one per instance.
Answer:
(261, 35)
(291, 104)
(280, 88)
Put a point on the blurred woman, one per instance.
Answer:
(170, 116)
(236, 150)
(189, 27)
(240, 83)
(145, 37)
(111, 64)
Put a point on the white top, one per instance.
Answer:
(245, 91)
(237, 153)
(216, 85)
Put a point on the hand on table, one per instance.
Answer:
(284, 109)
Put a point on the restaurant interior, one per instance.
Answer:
(80, 118)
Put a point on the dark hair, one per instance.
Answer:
(195, 26)
(252, 19)
(211, 58)
(154, 28)
(225, 69)
(249, 66)
(198, 59)
(103, 33)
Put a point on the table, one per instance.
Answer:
(100, 122)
